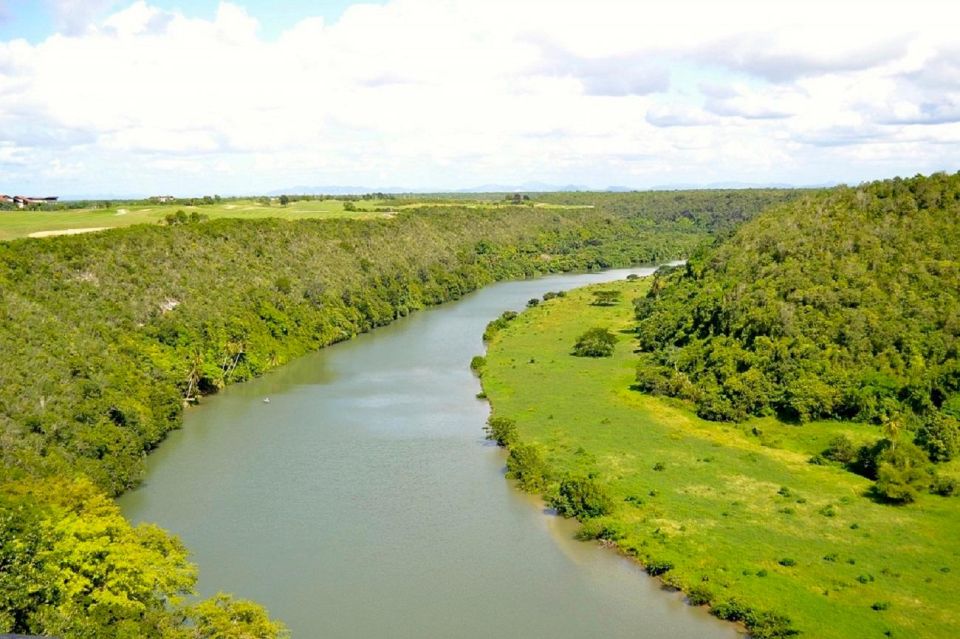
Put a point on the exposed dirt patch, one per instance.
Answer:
(67, 231)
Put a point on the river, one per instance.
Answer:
(362, 501)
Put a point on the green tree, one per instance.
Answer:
(222, 617)
(606, 297)
(595, 342)
(903, 472)
(581, 497)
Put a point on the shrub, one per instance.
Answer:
(903, 470)
(581, 497)
(943, 486)
(502, 430)
(841, 450)
(498, 324)
(525, 464)
(596, 342)
(655, 568)
(533, 301)
(478, 363)
(699, 596)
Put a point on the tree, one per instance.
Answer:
(581, 497)
(284, 200)
(606, 297)
(596, 342)
(223, 617)
(903, 471)
(940, 437)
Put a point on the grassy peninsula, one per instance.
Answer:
(775, 430)
(106, 336)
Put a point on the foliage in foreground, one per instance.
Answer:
(72, 566)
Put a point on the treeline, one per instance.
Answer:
(844, 304)
(717, 211)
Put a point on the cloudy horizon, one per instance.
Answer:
(142, 97)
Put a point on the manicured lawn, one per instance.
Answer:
(737, 509)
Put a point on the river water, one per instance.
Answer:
(363, 502)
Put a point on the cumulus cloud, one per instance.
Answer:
(73, 17)
(449, 93)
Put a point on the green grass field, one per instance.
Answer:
(736, 509)
(41, 223)
(14, 224)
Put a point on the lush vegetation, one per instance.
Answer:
(845, 304)
(72, 566)
(105, 337)
(734, 514)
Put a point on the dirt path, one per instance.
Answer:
(67, 231)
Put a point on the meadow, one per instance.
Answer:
(46, 221)
(734, 514)
(51, 221)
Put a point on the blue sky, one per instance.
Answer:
(138, 97)
(36, 20)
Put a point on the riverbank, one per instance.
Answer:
(732, 514)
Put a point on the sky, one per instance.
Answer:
(147, 97)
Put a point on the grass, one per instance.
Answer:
(15, 224)
(737, 510)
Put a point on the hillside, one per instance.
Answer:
(845, 304)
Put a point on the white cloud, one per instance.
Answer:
(449, 93)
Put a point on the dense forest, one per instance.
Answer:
(105, 337)
(843, 304)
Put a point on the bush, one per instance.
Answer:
(498, 324)
(478, 363)
(596, 342)
(525, 464)
(533, 301)
(902, 472)
(699, 596)
(502, 430)
(841, 450)
(943, 486)
(581, 497)
(655, 568)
